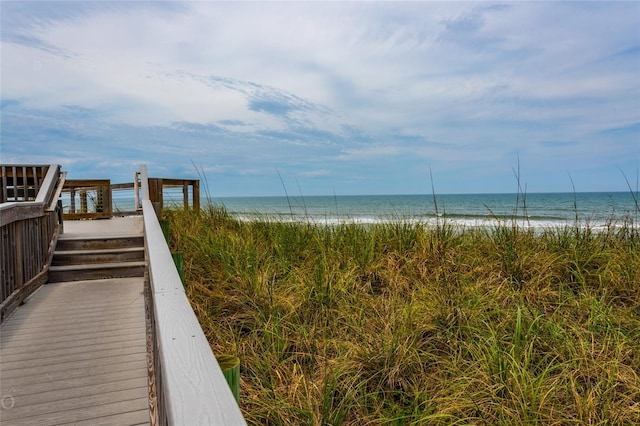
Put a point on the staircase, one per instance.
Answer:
(94, 257)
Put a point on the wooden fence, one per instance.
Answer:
(29, 223)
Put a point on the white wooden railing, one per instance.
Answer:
(190, 386)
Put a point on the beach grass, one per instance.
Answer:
(402, 324)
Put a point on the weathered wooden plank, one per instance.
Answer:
(30, 384)
(65, 393)
(196, 195)
(55, 341)
(91, 318)
(82, 365)
(94, 266)
(70, 331)
(93, 409)
(4, 198)
(44, 387)
(50, 355)
(15, 182)
(82, 316)
(121, 186)
(85, 215)
(86, 183)
(106, 292)
(66, 403)
(13, 340)
(78, 353)
(25, 183)
(60, 355)
(15, 211)
(48, 185)
(36, 180)
(132, 418)
(56, 196)
(94, 320)
(55, 314)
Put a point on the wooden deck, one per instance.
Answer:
(76, 352)
(92, 347)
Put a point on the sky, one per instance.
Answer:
(327, 98)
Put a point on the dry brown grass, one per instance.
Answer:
(401, 324)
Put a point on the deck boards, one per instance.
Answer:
(75, 352)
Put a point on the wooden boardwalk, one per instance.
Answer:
(92, 347)
(76, 352)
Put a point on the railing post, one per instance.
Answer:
(196, 195)
(136, 190)
(83, 201)
(3, 196)
(19, 229)
(185, 195)
(72, 203)
(144, 182)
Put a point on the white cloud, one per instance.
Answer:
(307, 83)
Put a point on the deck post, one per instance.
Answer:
(185, 194)
(4, 185)
(25, 183)
(83, 201)
(136, 190)
(196, 195)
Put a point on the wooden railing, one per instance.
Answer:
(100, 199)
(87, 199)
(29, 224)
(21, 182)
(161, 192)
(189, 384)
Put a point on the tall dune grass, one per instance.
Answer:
(400, 324)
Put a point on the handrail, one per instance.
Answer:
(56, 196)
(48, 185)
(29, 233)
(136, 190)
(191, 388)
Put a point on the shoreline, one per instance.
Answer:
(432, 222)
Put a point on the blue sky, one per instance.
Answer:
(344, 98)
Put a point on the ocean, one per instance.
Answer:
(596, 209)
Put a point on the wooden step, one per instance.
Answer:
(98, 242)
(95, 271)
(113, 255)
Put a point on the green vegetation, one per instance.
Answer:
(402, 324)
